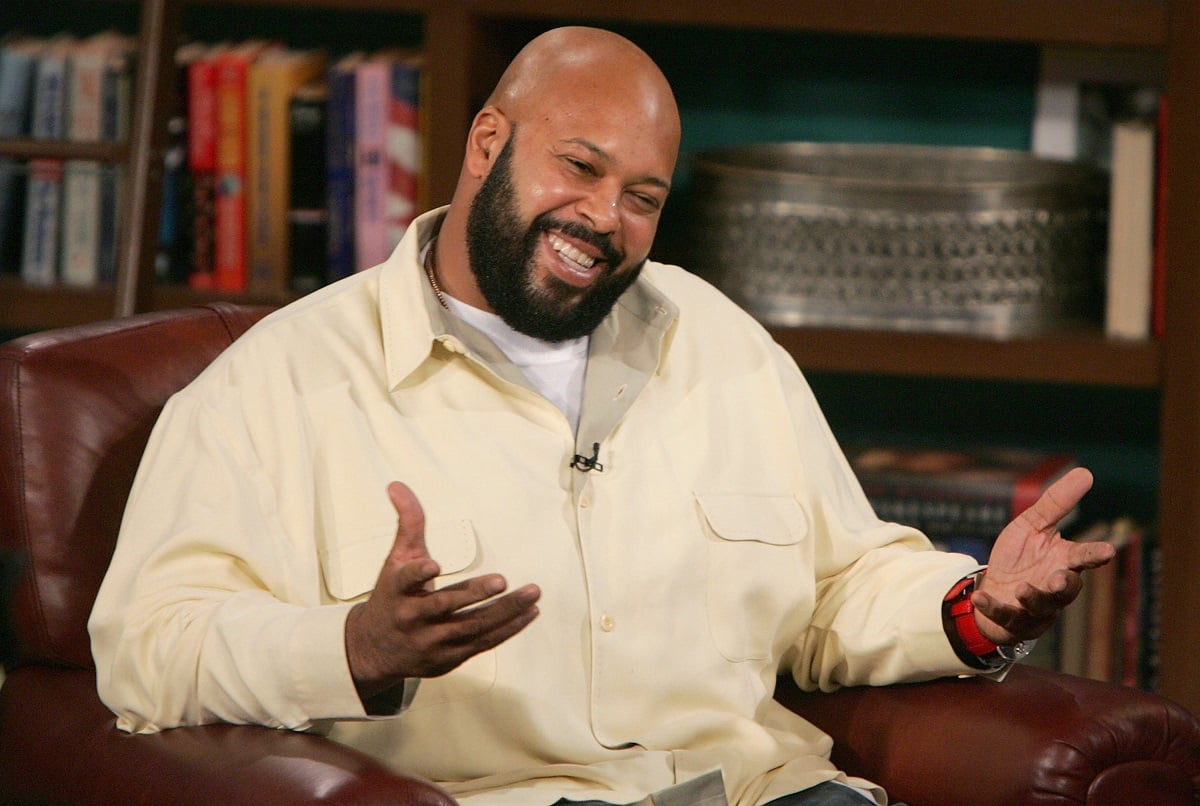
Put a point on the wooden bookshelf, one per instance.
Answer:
(469, 41)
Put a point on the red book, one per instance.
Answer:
(202, 160)
(229, 204)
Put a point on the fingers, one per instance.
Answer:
(1058, 500)
(410, 527)
(1085, 556)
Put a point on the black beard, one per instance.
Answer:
(500, 250)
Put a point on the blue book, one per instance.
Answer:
(18, 58)
(339, 168)
(39, 254)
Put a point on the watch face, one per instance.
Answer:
(1014, 653)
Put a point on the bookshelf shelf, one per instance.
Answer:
(467, 44)
(1080, 357)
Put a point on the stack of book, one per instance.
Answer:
(301, 172)
(283, 172)
(961, 498)
(58, 218)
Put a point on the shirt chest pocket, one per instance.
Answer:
(351, 571)
(758, 582)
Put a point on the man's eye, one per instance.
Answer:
(579, 165)
(645, 203)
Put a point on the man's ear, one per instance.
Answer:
(488, 133)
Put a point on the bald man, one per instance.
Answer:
(532, 516)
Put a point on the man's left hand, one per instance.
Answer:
(1033, 573)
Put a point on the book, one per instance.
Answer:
(273, 80)
(1080, 92)
(339, 167)
(116, 120)
(961, 498)
(229, 203)
(173, 258)
(1073, 621)
(372, 99)
(308, 220)
(18, 60)
(405, 151)
(97, 103)
(201, 129)
(1130, 261)
(43, 206)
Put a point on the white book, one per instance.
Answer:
(1131, 231)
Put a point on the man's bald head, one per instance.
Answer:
(600, 67)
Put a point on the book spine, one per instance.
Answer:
(229, 206)
(39, 251)
(114, 127)
(202, 165)
(17, 64)
(1130, 231)
(272, 85)
(340, 258)
(81, 182)
(404, 157)
(308, 220)
(371, 100)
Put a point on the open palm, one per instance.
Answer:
(1033, 573)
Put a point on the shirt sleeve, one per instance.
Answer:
(209, 611)
(879, 585)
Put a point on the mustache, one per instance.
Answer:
(612, 255)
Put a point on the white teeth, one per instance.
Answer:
(571, 253)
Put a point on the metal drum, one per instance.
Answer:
(970, 240)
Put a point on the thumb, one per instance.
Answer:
(410, 527)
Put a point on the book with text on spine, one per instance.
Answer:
(43, 201)
(273, 79)
(230, 247)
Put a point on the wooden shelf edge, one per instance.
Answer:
(170, 297)
(32, 307)
(1068, 358)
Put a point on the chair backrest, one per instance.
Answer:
(76, 410)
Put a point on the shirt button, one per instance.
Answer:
(607, 624)
(585, 502)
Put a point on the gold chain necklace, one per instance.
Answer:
(431, 273)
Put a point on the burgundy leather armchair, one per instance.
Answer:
(77, 407)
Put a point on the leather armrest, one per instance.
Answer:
(1037, 737)
(59, 744)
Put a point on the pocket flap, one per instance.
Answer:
(351, 570)
(775, 519)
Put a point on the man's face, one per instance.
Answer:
(504, 251)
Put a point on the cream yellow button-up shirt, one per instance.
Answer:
(724, 541)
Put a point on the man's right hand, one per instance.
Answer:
(406, 628)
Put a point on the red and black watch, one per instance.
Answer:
(973, 647)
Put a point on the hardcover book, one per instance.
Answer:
(229, 212)
(202, 159)
(404, 153)
(339, 168)
(273, 80)
(43, 207)
(308, 220)
(18, 59)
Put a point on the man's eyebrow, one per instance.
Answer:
(604, 156)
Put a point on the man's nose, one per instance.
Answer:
(601, 209)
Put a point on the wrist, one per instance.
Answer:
(960, 622)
